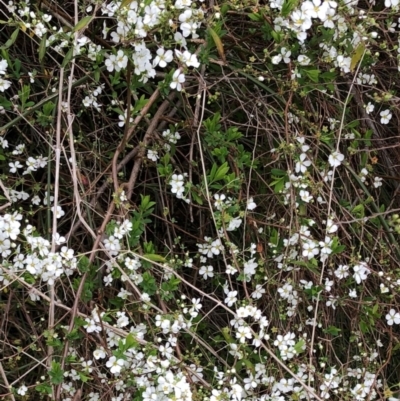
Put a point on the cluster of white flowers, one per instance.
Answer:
(41, 263)
(286, 345)
(178, 186)
(4, 83)
(91, 99)
(135, 21)
(170, 138)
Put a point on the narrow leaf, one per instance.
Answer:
(12, 39)
(42, 48)
(357, 56)
(83, 23)
(125, 3)
(154, 258)
(218, 43)
(68, 57)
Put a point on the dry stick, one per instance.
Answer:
(104, 186)
(122, 144)
(308, 388)
(6, 194)
(329, 211)
(76, 195)
(3, 375)
(146, 140)
(128, 133)
(195, 125)
(57, 151)
(42, 362)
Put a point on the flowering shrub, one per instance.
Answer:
(199, 200)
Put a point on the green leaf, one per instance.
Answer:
(357, 56)
(12, 39)
(218, 173)
(44, 388)
(218, 43)
(359, 211)
(131, 342)
(154, 257)
(312, 74)
(148, 284)
(140, 104)
(197, 198)
(278, 173)
(68, 57)
(226, 333)
(299, 346)
(125, 3)
(287, 7)
(83, 264)
(56, 373)
(278, 184)
(255, 17)
(83, 377)
(338, 249)
(42, 48)
(332, 330)
(82, 24)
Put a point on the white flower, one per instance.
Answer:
(302, 164)
(276, 59)
(152, 155)
(342, 271)
(219, 201)
(231, 298)
(188, 58)
(4, 84)
(258, 292)
(163, 57)
(393, 317)
(122, 119)
(3, 67)
(303, 59)
(391, 3)
(343, 63)
(22, 390)
(335, 159)
(115, 364)
(177, 80)
(99, 353)
(377, 182)
(250, 267)
(383, 288)
(251, 205)
(243, 333)
(386, 116)
(305, 196)
(206, 271)
(310, 249)
(59, 212)
(369, 108)
(361, 272)
(15, 166)
(286, 55)
(234, 224)
(177, 185)
(301, 21)
(331, 227)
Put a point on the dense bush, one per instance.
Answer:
(199, 200)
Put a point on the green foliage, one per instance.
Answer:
(56, 374)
